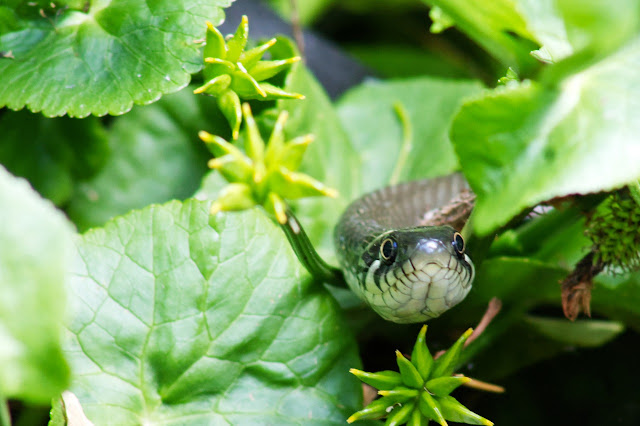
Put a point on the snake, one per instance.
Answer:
(404, 269)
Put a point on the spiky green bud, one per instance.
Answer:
(419, 393)
(232, 74)
(262, 175)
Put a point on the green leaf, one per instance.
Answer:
(215, 87)
(276, 144)
(103, 60)
(254, 145)
(251, 57)
(182, 317)
(544, 20)
(293, 152)
(375, 410)
(37, 248)
(391, 61)
(507, 28)
(57, 415)
(597, 25)
(400, 415)
(236, 44)
(229, 104)
(293, 185)
(456, 412)
(214, 71)
(440, 20)
(245, 85)
(521, 145)
(273, 93)
(585, 333)
(443, 386)
(156, 156)
(417, 419)
(67, 410)
(420, 356)
(618, 298)
(446, 363)
(266, 69)
(399, 393)
(307, 11)
(382, 380)
(235, 196)
(430, 408)
(498, 26)
(410, 376)
(367, 113)
(53, 154)
(214, 47)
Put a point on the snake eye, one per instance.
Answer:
(388, 250)
(458, 243)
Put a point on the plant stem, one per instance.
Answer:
(5, 416)
(296, 27)
(407, 141)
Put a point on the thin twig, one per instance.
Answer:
(492, 310)
(487, 387)
(297, 28)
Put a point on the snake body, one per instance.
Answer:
(405, 271)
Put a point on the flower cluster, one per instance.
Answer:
(420, 391)
(231, 73)
(266, 174)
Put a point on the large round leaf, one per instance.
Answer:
(524, 144)
(99, 58)
(179, 318)
(155, 157)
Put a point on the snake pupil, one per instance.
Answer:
(388, 250)
(458, 243)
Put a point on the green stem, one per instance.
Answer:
(407, 142)
(5, 416)
(308, 255)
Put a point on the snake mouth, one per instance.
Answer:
(423, 286)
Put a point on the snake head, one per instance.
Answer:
(411, 275)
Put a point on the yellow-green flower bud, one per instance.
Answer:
(420, 392)
(261, 168)
(231, 73)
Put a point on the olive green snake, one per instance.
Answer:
(403, 268)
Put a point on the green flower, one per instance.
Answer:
(231, 73)
(265, 175)
(420, 391)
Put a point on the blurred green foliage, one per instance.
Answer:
(172, 315)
